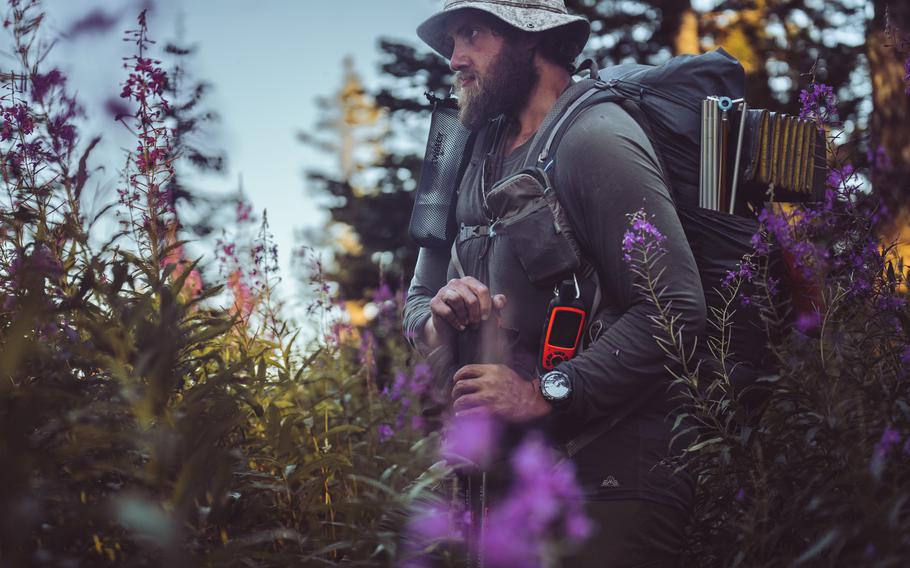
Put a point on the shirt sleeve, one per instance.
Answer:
(606, 169)
(429, 276)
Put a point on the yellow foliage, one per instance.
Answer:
(354, 309)
(737, 44)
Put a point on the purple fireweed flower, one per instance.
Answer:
(745, 272)
(808, 323)
(434, 522)
(907, 75)
(383, 294)
(740, 495)
(905, 356)
(415, 384)
(544, 497)
(890, 438)
(17, 116)
(506, 543)
(842, 180)
(818, 103)
(366, 353)
(879, 159)
(471, 437)
(62, 133)
(42, 83)
(244, 212)
(421, 378)
(578, 526)
(385, 432)
(431, 524)
(642, 237)
(398, 385)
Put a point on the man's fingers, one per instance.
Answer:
(474, 410)
(482, 293)
(468, 401)
(469, 307)
(465, 301)
(441, 309)
(466, 387)
(470, 372)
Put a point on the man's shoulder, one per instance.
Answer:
(604, 135)
(600, 125)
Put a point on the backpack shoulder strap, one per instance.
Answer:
(601, 93)
(583, 90)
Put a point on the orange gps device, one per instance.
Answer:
(562, 331)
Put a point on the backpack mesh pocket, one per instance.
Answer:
(433, 217)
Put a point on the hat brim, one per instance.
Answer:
(433, 30)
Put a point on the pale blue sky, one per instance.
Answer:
(267, 60)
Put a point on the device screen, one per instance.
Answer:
(565, 329)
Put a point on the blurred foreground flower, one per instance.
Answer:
(472, 439)
(545, 501)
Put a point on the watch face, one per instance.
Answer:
(555, 386)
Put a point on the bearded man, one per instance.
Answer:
(513, 61)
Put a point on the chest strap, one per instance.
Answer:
(465, 233)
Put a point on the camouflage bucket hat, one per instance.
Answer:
(527, 15)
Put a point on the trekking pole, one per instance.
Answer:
(722, 176)
(703, 169)
(712, 153)
(743, 109)
(483, 518)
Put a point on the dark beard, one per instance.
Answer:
(504, 89)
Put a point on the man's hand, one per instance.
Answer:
(461, 303)
(500, 390)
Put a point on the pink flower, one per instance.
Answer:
(642, 238)
(385, 432)
(544, 497)
(818, 103)
(471, 438)
(244, 301)
(43, 83)
(244, 211)
(808, 323)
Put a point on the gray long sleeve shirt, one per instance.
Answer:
(604, 169)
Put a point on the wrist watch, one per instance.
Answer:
(556, 388)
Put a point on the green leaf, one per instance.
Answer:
(820, 545)
(704, 444)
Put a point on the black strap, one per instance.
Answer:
(576, 444)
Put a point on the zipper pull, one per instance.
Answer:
(493, 228)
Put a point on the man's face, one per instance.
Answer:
(493, 75)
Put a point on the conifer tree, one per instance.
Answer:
(372, 189)
(193, 124)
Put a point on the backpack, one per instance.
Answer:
(665, 101)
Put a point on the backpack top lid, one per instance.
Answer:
(671, 95)
(686, 76)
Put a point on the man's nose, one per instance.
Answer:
(460, 59)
